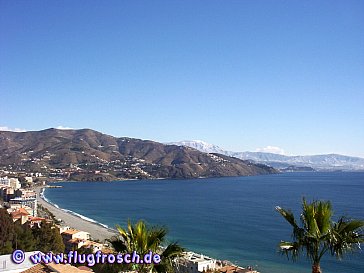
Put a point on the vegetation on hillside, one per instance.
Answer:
(88, 155)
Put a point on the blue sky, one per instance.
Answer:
(240, 74)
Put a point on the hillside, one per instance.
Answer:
(90, 155)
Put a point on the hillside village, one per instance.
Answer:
(97, 170)
(88, 155)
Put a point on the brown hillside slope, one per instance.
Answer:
(90, 151)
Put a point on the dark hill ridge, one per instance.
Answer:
(81, 154)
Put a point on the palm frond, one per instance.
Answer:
(288, 215)
(118, 244)
(346, 236)
(142, 238)
(319, 234)
(290, 249)
(172, 250)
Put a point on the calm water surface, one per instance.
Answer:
(227, 218)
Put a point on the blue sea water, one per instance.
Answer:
(227, 218)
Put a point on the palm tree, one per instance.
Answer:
(143, 239)
(319, 235)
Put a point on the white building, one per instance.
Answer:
(5, 181)
(192, 262)
(8, 266)
(29, 179)
(73, 238)
(75, 233)
(27, 198)
(62, 228)
(10, 182)
(14, 183)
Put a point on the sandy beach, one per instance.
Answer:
(97, 231)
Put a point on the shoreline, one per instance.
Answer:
(96, 230)
(169, 178)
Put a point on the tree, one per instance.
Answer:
(143, 239)
(319, 235)
(24, 238)
(48, 238)
(6, 232)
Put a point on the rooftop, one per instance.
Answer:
(19, 212)
(194, 257)
(7, 265)
(39, 268)
(235, 269)
(56, 268)
(35, 219)
(72, 231)
(76, 240)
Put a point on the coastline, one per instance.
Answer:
(100, 232)
(97, 231)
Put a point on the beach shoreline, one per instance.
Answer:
(97, 231)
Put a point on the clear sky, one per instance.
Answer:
(243, 75)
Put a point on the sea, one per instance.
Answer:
(230, 218)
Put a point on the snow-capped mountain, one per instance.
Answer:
(318, 162)
(199, 145)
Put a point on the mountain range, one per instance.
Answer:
(90, 155)
(326, 162)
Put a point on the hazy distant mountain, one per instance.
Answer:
(81, 153)
(318, 162)
(200, 145)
